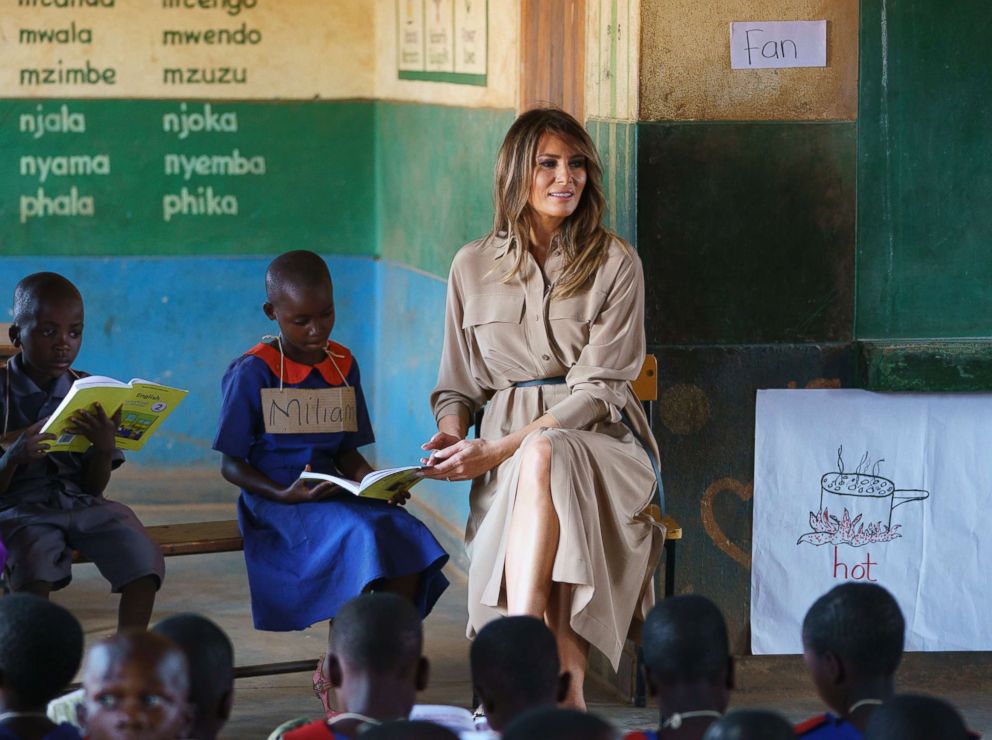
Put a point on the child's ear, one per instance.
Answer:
(648, 680)
(332, 670)
(834, 667)
(423, 673)
(14, 333)
(564, 681)
(269, 310)
(731, 677)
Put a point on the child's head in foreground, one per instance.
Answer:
(135, 685)
(686, 645)
(750, 724)
(376, 645)
(911, 717)
(41, 645)
(210, 656)
(515, 668)
(852, 637)
(559, 724)
(300, 298)
(47, 324)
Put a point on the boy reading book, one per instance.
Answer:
(52, 503)
(296, 403)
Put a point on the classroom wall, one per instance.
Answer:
(746, 184)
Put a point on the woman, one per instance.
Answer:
(545, 323)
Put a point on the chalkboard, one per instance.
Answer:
(925, 170)
(185, 176)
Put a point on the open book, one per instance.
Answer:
(381, 484)
(143, 404)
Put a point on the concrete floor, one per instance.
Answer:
(216, 585)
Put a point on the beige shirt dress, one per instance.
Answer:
(602, 481)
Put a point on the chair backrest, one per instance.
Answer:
(646, 384)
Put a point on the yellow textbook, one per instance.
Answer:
(143, 404)
(380, 484)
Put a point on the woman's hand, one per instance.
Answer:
(97, 427)
(463, 459)
(440, 441)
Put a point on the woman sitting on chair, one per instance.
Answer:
(545, 324)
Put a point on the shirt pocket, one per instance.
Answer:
(494, 319)
(570, 319)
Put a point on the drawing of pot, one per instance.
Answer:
(872, 496)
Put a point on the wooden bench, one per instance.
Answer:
(200, 538)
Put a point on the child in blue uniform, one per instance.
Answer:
(852, 644)
(310, 549)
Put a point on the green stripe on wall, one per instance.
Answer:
(617, 145)
(434, 174)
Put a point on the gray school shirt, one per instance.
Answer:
(42, 481)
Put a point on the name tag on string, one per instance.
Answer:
(309, 410)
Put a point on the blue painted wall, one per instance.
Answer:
(181, 320)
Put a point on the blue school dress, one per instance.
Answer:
(305, 560)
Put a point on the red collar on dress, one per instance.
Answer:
(296, 372)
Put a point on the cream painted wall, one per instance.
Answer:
(613, 30)
(685, 63)
(502, 86)
(308, 49)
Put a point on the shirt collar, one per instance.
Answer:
(296, 372)
(21, 383)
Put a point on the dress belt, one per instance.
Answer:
(560, 380)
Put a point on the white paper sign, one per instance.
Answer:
(777, 44)
(894, 489)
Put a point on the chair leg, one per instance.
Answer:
(670, 567)
(640, 690)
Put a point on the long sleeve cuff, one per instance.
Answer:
(580, 410)
(453, 406)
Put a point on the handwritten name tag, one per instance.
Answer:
(309, 410)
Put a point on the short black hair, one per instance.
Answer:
(685, 639)
(41, 646)
(35, 288)
(210, 656)
(750, 724)
(860, 623)
(515, 659)
(408, 729)
(914, 717)
(378, 633)
(558, 724)
(299, 268)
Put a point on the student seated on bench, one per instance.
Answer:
(309, 549)
(52, 503)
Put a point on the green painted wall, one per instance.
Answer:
(924, 170)
(316, 191)
(434, 172)
(616, 142)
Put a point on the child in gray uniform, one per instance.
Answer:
(52, 503)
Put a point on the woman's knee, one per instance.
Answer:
(536, 454)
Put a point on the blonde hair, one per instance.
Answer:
(582, 238)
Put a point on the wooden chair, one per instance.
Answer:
(646, 390)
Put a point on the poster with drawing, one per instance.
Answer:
(889, 488)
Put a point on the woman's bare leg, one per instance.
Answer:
(533, 538)
(530, 556)
(573, 651)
